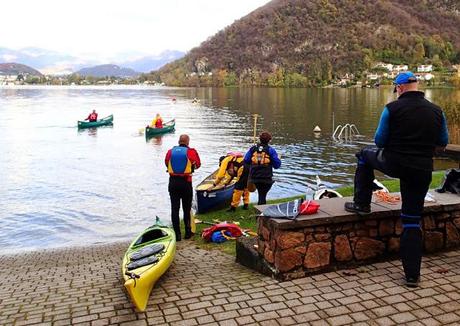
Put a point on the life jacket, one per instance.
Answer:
(261, 155)
(93, 117)
(234, 165)
(232, 229)
(261, 169)
(179, 164)
(159, 123)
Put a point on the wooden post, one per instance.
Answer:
(255, 127)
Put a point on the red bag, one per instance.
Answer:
(308, 207)
(233, 229)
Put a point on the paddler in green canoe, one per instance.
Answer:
(92, 117)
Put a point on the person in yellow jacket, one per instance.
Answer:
(157, 122)
(232, 166)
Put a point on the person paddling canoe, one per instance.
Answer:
(92, 117)
(157, 122)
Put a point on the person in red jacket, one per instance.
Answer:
(92, 117)
(181, 162)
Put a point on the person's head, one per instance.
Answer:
(158, 115)
(184, 140)
(265, 137)
(405, 82)
(94, 111)
(221, 159)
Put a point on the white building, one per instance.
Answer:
(387, 66)
(425, 68)
(399, 68)
(8, 79)
(373, 76)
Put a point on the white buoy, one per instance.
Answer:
(317, 129)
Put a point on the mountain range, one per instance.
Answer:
(53, 62)
(107, 70)
(17, 69)
(308, 42)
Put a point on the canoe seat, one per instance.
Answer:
(142, 262)
(147, 251)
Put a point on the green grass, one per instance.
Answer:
(247, 218)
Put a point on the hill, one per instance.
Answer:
(18, 69)
(310, 42)
(107, 70)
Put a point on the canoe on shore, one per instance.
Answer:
(209, 197)
(147, 258)
(102, 122)
(167, 127)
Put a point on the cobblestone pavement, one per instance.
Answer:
(83, 286)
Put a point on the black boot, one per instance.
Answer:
(358, 209)
(246, 206)
(188, 235)
(231, 209)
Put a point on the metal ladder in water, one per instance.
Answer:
(344, 133)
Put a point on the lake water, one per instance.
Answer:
(60, 186)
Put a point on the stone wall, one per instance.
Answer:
(334, 239)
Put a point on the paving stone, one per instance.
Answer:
(209, 288)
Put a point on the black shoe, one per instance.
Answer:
(178, 237)
(412, 282)
(188, 235)
(246, 206)
(358, 209)
(231, 209)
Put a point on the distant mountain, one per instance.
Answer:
(150, 63)
(108, 70)
(18, 69)
(311, 42)
(56, 63)
(50, 62)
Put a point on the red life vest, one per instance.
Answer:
(92, 117)
(159, 123)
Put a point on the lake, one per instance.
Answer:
(61, 186)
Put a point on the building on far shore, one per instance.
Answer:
(9, 79)
(425, 68)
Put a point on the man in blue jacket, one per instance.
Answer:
(410, 130)
(262, 159)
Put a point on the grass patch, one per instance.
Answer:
(247, 218)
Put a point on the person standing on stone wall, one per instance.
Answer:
(410, 130)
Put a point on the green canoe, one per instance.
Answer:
(102, 122)
(167, 127)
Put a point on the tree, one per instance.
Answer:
(419, 53)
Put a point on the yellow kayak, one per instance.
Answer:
(147, 258)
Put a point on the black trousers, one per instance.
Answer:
(414, 184)
(180, 190)
(262, 191)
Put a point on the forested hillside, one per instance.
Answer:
(311, 42)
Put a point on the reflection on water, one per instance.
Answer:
(61, 187)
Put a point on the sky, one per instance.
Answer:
(108, 29)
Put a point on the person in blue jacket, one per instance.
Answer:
(410, 131)
(262, 159)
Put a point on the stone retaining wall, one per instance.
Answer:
(334, 239)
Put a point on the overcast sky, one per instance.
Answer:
(108, 28)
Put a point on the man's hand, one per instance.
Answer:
(439, 149)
